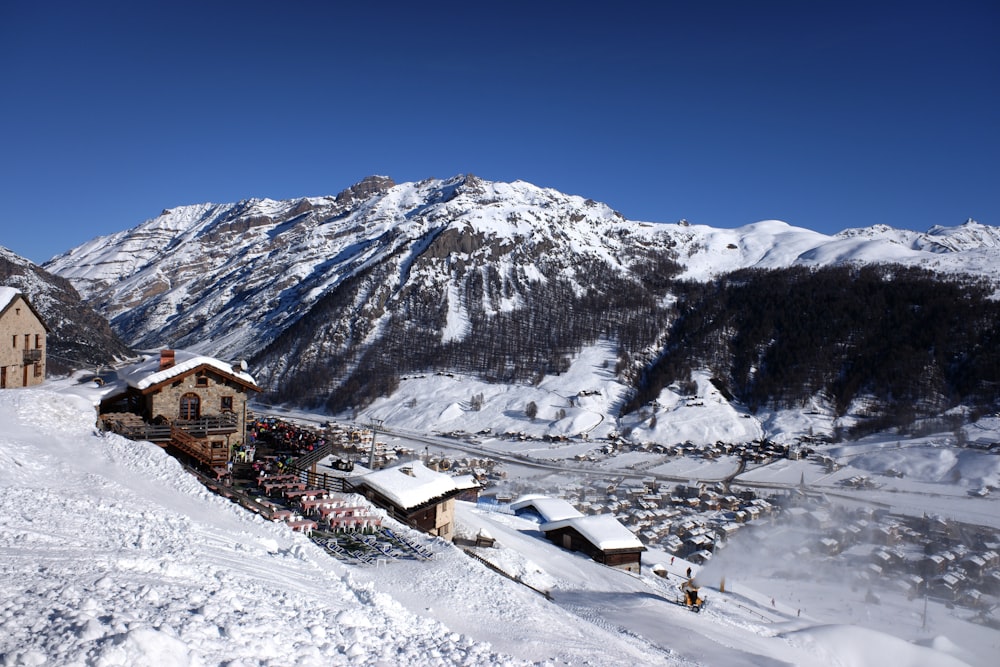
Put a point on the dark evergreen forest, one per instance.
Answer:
(554, 319)
(915, 341)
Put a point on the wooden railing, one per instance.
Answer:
(191, 436)
(215, 425)
(210, 453)
(312, 458)
(226, 422)
(322, 480)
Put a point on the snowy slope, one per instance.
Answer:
(111, 554)
(706, 251)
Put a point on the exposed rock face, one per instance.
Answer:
(318, 283)
(365, 188)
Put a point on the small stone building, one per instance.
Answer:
(22, 341)
(195, 403)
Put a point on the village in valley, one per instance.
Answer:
(314, 473)
(878, 550)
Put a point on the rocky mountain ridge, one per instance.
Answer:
(332, 298)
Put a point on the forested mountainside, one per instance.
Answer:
(78, 337)
(333, 299)
(890, 342)
(553, 319)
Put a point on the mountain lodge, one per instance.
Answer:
(600, 536)
(191, 403)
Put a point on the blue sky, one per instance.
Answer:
(827, 115)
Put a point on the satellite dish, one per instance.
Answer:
(243, 365)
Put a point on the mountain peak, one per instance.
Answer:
(365, 188)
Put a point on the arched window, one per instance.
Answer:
(190, 406)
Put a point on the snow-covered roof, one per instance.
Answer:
(465, 482)
(550, 509)
(410, 484)
(147, 372)
(602, 530)
(7, 295)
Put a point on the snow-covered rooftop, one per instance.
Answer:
(7, 295)
(550, 509)
(602, 530)
(410, 484)
(147, 372)
(465, 482)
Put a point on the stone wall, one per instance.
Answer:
(214, 388)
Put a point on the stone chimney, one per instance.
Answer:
(166, 359)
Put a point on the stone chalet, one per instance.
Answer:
(184, 401)
(22, 341)
(414, 494)
(600, 536)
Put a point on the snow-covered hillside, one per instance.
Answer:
(77, 335)
(112, 554)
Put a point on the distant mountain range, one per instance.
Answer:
(332, 299)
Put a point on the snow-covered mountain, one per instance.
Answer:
(341, 294)
(223, 275)
(233, 276)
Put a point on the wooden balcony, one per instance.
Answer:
(132, 426)
(192, 437)
(212, 454)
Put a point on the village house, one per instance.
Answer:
(991, 582)
(600, 536)
(184, 401)
(414, 494)
(698, 542)
(22, 341)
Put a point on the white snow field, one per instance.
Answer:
(111, 554)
